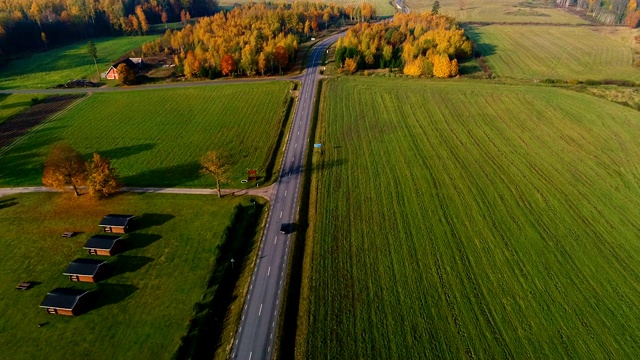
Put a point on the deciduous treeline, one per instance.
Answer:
(248, 40)
(24, 24)
(610, 12)
(420, 44)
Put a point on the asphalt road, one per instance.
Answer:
(257, 330)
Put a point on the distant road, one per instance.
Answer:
(172, 85)
(257, 330)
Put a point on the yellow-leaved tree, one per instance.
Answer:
(102, 179)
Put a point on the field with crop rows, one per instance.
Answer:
(57, 66)
(155, 137)
(539, 52)
(459, 220)
(143, 307)
(14, 103)
(511, 11)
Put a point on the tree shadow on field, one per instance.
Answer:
(147, 220)
(7, 203)
(125, 151)
(169, 176)
(480, 48)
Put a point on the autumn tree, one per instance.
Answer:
(92, 51)
(126, 75)
(350, 65)
(228, 65)
(101, 177)
(281, 57)
(217, 165)
(43, 37)
(164, 18)
(142, 18)
(64, 167)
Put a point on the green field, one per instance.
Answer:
(468, 220)
(539, 52)
(155, 137)
(143, 309)
(11, 104)
(510, 11)
(57, 66)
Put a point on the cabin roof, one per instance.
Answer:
(101, 242)
(85, 267)
(116, 220)
(63, 298)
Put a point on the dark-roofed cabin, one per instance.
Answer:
(64, 301)
(85, 270)
(106, 245)
(116, 223)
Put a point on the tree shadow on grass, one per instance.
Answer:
(148, 220)
(139, 241)
(109, 294)
(124, 151)
(169, 176)
(126, 264)
(7, 203)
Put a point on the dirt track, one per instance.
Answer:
(35, 115)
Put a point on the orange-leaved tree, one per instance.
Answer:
(102, 178)
(281, 56)
(228, 64)
(216, 164)
(350, 65)
(64, 167)
(126, 76)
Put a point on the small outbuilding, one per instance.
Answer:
(106, 245)
(85, 270)
(64, 301)
(116, 223)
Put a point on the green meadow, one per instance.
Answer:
(156, 137)
(46, 69)
(457, 220)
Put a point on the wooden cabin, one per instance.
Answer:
(106, 245)
(85, 270)
(116, 223)
(64, 301)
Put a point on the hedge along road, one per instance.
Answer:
(255, 336)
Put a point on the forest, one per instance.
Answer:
(27, 25)
(420, 44)
(610, 12)
(253, 39)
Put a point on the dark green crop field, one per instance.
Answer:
(461, 220)
(155, 137)
(143, 307)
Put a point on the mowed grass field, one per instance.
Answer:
(510, 11)
(539, 52)
(460, 220)
(156, 137)
(142, 309)
(57, 66)
(11, 104)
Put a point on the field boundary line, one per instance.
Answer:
(42, 124)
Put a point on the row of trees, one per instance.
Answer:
(421, 44)
(610, 12)
(249, 40)
(65, 167)
(33, 24)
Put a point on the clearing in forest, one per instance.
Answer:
(458, 220)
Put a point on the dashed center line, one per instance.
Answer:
(260, 311)
(269, 271)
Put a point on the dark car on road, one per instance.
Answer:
(287, 228)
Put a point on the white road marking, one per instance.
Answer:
(260, 311)
(285, 193)
(269, 271)
(269, 349)
(251, 353)
(280, 214)
(295, 146)
(271, 336)
(273, 324)
(275, 241)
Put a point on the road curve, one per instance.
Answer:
(257, 330)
